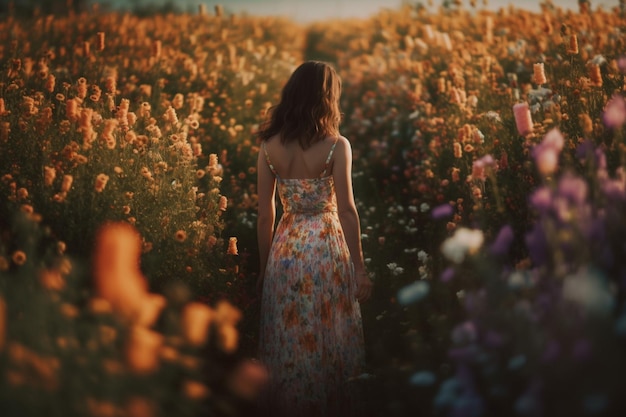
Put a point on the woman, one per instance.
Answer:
(312, 275)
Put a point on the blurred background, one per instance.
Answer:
(303, 11)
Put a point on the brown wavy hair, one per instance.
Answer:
(308, 110)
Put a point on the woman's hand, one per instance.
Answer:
(363, 286)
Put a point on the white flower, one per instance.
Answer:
(422, 256)
(589, 289)
(464, 241)
(424, 207)
(413, 292)
(398, 271)
(597, 60)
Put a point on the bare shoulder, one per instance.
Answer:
(272, 140)
(343, 145)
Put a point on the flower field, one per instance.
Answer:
(489, 174)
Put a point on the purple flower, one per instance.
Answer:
(493, 339)
(573, 188)
(447, 274)
(464, 333)
(442, 211)
(537, 245)
(502, 243)
(541, 199)
(584, 150)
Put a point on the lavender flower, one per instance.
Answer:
(502, 243)
(442, 211)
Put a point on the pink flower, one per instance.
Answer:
(554, 139)
(547, 160)
(523, 120)
(546, 154)
(615, 112)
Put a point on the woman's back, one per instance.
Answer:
(290, 161)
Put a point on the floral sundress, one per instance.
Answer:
(311, 335)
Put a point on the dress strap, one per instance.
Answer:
(269, 162)
(330, 155)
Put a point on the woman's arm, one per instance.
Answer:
(348, 215)
(266, 189)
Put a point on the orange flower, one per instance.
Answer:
(19, 257)
(229, 338)
(195, 390)
(140, 407)
(66, 184)
(49, 174)
(595, 75)
(101, 182)
(118, 278)
(149, 309)
(100, 42)
(51, 279)
(223, 204)
(180, 236)
(196, 319)
(4, 264)
(142, 350)
(99, 306)
(539, 75)
(572, 47)
(458, 150)
(170, 115)
(232, 246)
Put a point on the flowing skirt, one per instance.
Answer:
(311, 335)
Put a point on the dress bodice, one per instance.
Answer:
(310, 195)
(306, 195)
